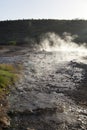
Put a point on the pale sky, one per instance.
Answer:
(43, 9)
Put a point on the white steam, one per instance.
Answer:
(53, 42)
(65, 45)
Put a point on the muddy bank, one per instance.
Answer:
(4, 118)
(9, 71)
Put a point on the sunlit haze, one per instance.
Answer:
(43, 9)
(64, 47)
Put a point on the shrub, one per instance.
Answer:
(13, 43)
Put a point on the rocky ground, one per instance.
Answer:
(51, 94)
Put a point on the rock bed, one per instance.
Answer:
(11, 59)
(40, 101)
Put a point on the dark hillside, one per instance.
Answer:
(21, 31)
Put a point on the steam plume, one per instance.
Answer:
(54, 43)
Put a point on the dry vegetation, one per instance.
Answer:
(8, 76)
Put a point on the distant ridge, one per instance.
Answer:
(23, 31)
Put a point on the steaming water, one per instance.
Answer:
(64, 47)
(47, 76)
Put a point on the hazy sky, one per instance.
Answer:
(47, 9)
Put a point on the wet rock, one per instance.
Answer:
(45, 97)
